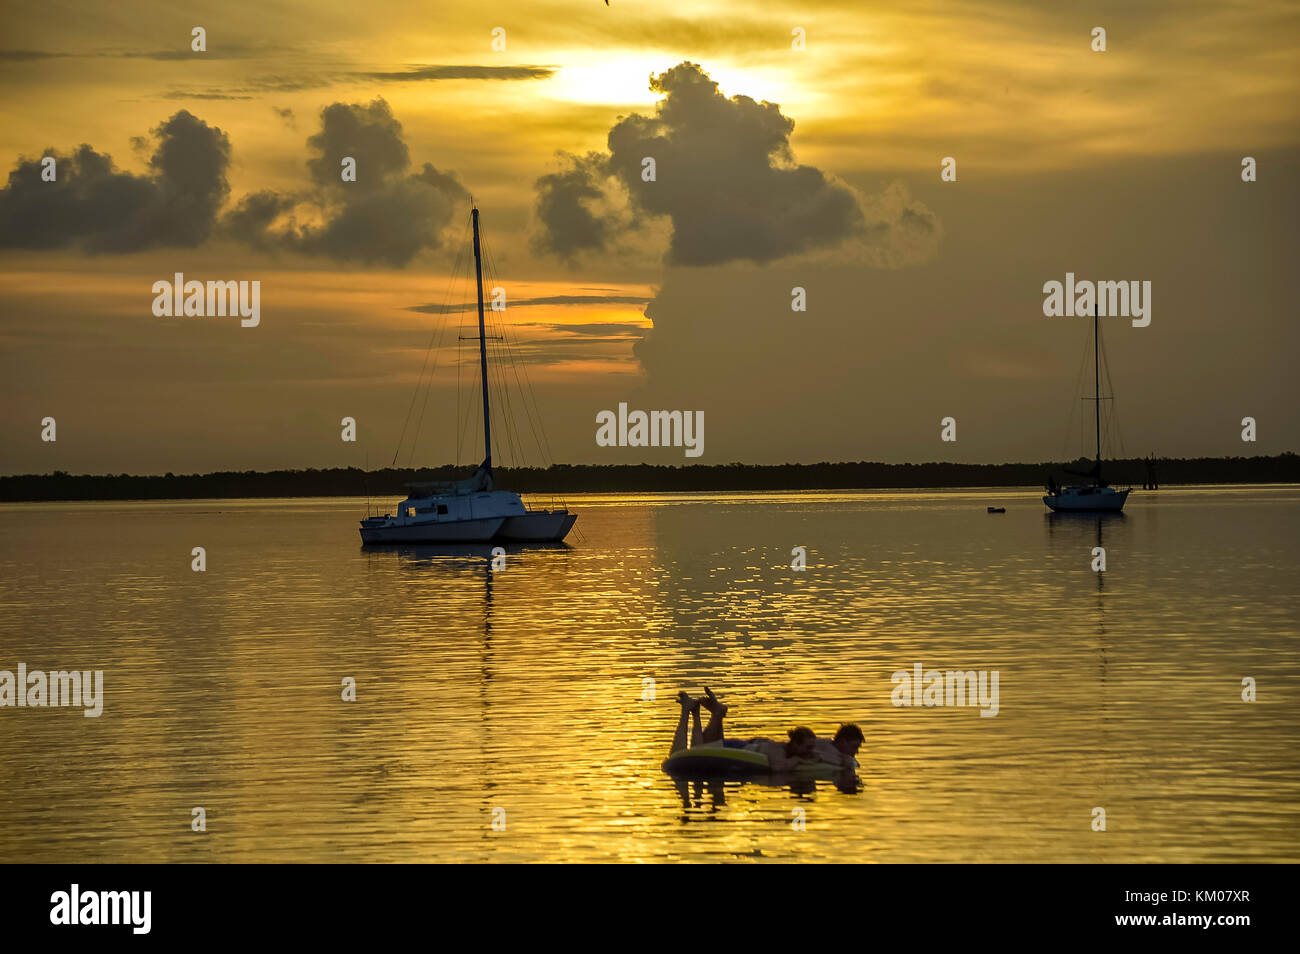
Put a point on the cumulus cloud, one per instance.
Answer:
(250, 221)
(370, 134)
(727, 180)
(101, 209)
(388, 215)
(899, 229)
(385, 216)
(567, 208)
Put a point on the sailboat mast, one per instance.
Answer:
(482, 349)
(1096, 385)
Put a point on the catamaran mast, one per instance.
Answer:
(482, 350)
(1096, 379)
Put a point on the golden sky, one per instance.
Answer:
(812, 164)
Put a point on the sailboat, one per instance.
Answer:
(1096, 496)
(468, 511)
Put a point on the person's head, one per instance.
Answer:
(848, 739)
(802, 744)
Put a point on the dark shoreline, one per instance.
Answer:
(582, 478)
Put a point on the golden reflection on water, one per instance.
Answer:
(521, 689)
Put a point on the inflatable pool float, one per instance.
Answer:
(718, 760)
(713, 759)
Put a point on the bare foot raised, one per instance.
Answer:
(713, 703)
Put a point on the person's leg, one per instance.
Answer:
(713, 731)
(697, 736)
(679, 737)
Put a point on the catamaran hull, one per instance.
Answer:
(453, 531)
(1087, 503)
(538, 526)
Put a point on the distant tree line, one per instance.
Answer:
(577, 478)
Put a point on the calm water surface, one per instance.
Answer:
(523, 688)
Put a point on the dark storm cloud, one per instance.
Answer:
(727, 180)
(384, 216)
(92, 205)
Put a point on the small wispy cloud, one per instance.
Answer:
(594, 329)
(225, 52)
(416, 73)
(550, 300)
(185, 94)
(255, 86)
(22, 56)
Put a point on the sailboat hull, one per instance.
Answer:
(456, 531)
(1087, 500)
(493, 515)
(538, 526)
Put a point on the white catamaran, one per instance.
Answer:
(1096, 495)
(468, 511)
